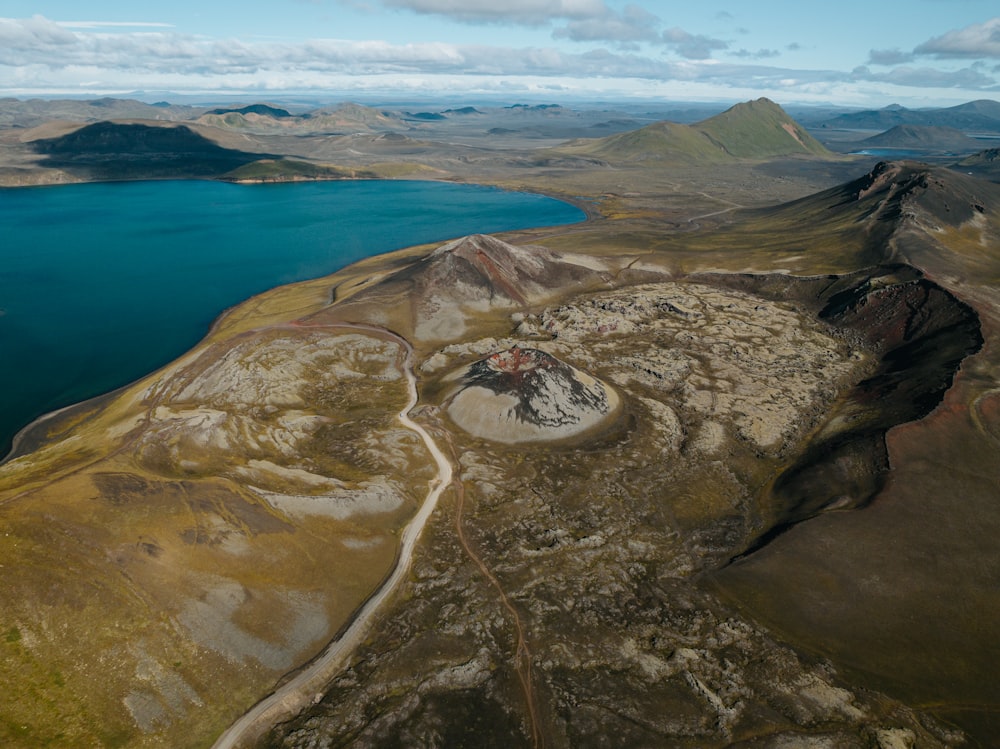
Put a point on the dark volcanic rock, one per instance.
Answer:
(921, 333)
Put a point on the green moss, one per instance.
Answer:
(12, 635)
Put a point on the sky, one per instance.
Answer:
(851, 53)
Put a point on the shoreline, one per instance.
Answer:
(29, 438)
(25, 439)
(584, 204)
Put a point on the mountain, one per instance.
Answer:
(989, 156)
(916, 198)
(982, 115)
(985, 164)
(355, 116)
(751, 130)
(525, 395)
(441, 296)
(111, 150)
(262, 109)
(943, 215)
(759, 129)
(923, 137)
(342, 119)
(34, 112)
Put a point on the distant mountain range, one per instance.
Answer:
(924, 137)
(33, 112)
(122, 139)
(982, 115)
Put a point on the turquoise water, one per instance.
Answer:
(101, 284)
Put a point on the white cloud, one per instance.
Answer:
(31, 33)
(518, 12)
(978, 40)
(38, 55)
(112, 24)
(633, 24)
(692, 46)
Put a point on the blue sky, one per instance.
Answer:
(916, 53)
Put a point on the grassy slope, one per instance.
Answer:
(104, 560)
(753, 130)
(759, 129)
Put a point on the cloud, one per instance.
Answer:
(517, 12)
(633, 24)
(584, 20)
(889, 57)
(40, 49)
(966, 78)
(39, 55)
(112, 24)
(977, 40)
(31, 33)
(692, 46)
(760, 54)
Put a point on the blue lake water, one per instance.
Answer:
(890, 153)
(101, 284)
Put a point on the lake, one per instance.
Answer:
(890, 153)
(101, 284)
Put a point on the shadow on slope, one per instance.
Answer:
(920, 333)
(112, 151)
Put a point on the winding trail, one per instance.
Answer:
(299, 692)
(522, 655)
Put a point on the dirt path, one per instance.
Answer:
(522, 657)
(301, 691)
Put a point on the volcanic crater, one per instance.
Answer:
(527, 395)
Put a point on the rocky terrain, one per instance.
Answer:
(613, 644)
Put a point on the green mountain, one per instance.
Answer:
(751, 130)
(759, 129)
